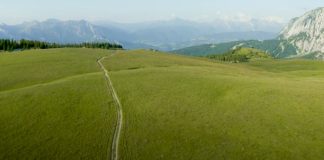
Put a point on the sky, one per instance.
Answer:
(130, 11)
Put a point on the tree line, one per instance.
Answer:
(230, 56)
(12, 45)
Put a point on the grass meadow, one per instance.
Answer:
(185, 108)
(54, 104)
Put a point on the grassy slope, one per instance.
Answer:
(20, 69)
(174, 107)
(183, 108)
(54, 104)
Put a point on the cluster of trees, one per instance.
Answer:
(234, 58)
(240, 54)
(12, 45)
(102, 45)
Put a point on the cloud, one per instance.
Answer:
(239, 17)
(274, 19)
(242, 17)
(173, 15)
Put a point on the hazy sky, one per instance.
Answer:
(16, 11)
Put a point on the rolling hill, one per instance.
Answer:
(55, 104)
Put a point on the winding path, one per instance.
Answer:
(119, 122)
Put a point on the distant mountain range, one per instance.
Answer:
(302, 37)
(162, 35)
(62, 31)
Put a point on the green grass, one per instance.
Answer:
(174, 107)
(19, 69)
(195, 109)
(54, 104)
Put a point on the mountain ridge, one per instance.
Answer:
(162, 35)
(306, 33)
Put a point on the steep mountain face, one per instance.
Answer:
(306, 33)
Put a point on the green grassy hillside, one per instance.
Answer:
(56, 104)
(195, 109)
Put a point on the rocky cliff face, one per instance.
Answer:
(306, 33)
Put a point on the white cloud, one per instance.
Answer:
(274, 19)
(173, 15)
(238, 17)
(243, 17)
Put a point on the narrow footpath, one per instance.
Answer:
(119, 122)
